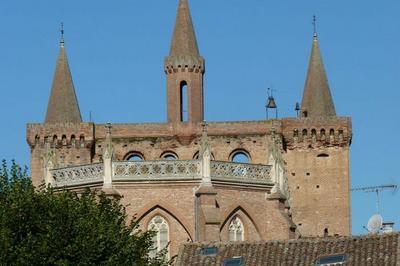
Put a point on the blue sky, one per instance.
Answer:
(116, 51)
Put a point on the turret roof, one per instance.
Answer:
(63, 105)
(184, 38)
(317, 99)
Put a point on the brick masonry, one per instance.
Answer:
(315, 153)
(317, 167)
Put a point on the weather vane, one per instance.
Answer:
(315, 25)
(62, 32)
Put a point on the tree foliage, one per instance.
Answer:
(65, 228)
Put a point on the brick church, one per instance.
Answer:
(191, 181)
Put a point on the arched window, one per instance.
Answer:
(169, 155)
(236, 230)
(160, 240)
(240, 156)
(134, 157)
(184, 101)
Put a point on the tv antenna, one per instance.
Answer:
(377, 190)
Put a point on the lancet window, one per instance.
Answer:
(236, 230)
(161, 238)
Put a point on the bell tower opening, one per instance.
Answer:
(184, 110)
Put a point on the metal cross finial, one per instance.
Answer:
(315, 25)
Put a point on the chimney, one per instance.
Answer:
(387, 227)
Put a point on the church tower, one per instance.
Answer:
(184, 68)
(63, 134)
(318, 144)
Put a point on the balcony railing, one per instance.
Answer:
(161, 170)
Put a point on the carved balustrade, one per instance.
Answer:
(241, 172)
(157, 169)
(162, 169)
(78, 175)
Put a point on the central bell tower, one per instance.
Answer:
(184, 68)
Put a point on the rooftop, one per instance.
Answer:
(356, 250)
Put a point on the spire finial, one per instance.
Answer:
(204, 125)
(315, 25)
(184, 38)
(62, 33)
(204, 145)
(108, 129)
(108, 149)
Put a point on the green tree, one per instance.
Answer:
(47, 227)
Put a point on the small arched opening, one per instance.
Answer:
(240, 156)
(64, 140)
(134, 156)
(184, 112)
(169, 156)
(73, 141)
(82, 141)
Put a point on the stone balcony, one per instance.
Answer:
(164, 170)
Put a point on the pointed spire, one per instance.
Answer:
(63, 105)
(184, 38)
(317, 98)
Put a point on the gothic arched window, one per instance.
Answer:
(236, 230)
(160, 240)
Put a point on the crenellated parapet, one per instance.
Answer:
(59, 135)
(184, 63)
(316, 132)
(70, 144)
